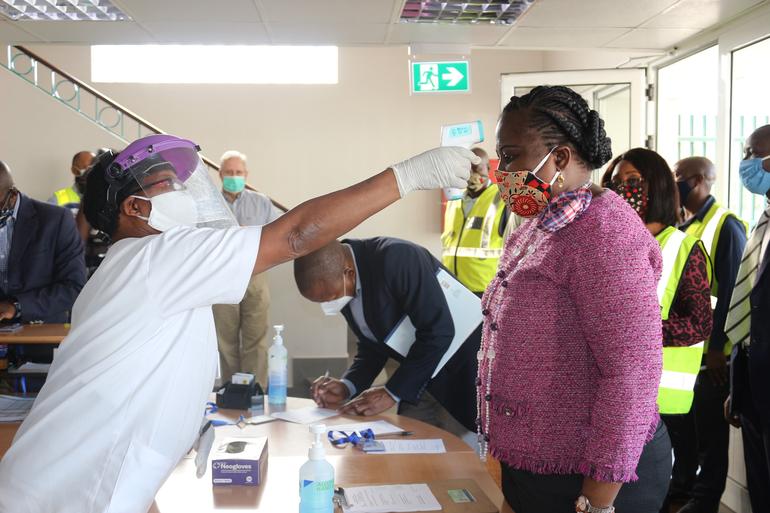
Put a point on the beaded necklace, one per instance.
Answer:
(487, 351)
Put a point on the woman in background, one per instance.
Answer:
(645, 181)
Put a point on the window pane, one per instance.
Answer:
(213, 64)
(750, 109)
(688, 99)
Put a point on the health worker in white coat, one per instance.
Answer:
(126, 393)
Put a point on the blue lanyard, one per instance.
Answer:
(354, 438)
(213, 408)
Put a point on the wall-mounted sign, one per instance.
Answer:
(441, 77)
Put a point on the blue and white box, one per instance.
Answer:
(239, 461)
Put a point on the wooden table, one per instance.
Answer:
(36, 334)
(287, 447)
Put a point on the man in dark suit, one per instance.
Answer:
(375, 283)
(748, 328)
(41, 260)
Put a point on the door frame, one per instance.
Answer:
(635, 77)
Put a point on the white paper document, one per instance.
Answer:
(307, 415)
(390, 498)
(379, 427)
(14, 409)
(429, 446)
(31, 367)
(466, 315)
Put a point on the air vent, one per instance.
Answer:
(501, 12)
(61, 10)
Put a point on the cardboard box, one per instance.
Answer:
(240, 461)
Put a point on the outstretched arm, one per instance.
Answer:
(318, 221)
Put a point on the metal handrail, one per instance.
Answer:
(117, 128)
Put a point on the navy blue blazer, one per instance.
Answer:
(750, 372)
(398, 278)
(46, 268)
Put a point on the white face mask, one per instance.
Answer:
(171, 209)
(335, 306)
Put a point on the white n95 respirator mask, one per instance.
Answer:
(171, 209)
(335, 306)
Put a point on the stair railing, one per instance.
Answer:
(85, 100)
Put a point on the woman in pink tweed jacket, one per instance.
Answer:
(571, 353)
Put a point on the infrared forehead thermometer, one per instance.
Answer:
(465, 135)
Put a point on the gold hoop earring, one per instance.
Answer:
(560, 179)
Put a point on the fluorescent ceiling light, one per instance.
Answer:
(61, 10)
(214, 64)
(503, 12)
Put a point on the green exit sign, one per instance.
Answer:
(441, 77)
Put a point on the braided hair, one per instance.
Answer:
(562, 116)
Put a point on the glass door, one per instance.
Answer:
(618, 95)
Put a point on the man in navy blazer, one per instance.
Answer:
(41, 259)
(748, 328)
(375, 283)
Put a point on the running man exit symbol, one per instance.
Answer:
(440, 77)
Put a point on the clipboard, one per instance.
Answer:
(453, 495)
(465, 307)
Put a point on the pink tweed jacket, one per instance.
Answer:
(574, 322)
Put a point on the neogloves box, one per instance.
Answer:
(239, 461)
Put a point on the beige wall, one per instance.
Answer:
(302, 141)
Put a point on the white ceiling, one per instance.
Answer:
(549, 24)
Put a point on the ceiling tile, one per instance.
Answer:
(455, 34)
(94, 32)
(10, 33)
(327, 33)
(188, 10)
(700, 14)
(596, 13)
(542, 38)
(208, 32)
(368, 11)
(651, 38)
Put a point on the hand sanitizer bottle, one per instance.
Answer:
(316, 478)
(277, 369)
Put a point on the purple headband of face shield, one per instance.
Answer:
(182, 154)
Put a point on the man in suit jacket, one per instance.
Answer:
(41, 260)
(748, 328)
(375, 283)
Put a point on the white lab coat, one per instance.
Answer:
(127, 390)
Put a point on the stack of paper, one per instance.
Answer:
(308, 415)
(429, 446)
(14, 409)
(11, 328)
(390, 498)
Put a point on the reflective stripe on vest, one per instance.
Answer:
(473, 245)
(680, 364)
(66, 197)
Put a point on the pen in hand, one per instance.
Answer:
(317, 388)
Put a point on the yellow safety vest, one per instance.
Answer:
(472, 246)
(680, 364)
(66, 197)
(708, 232)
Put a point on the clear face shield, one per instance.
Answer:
(168, 172)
